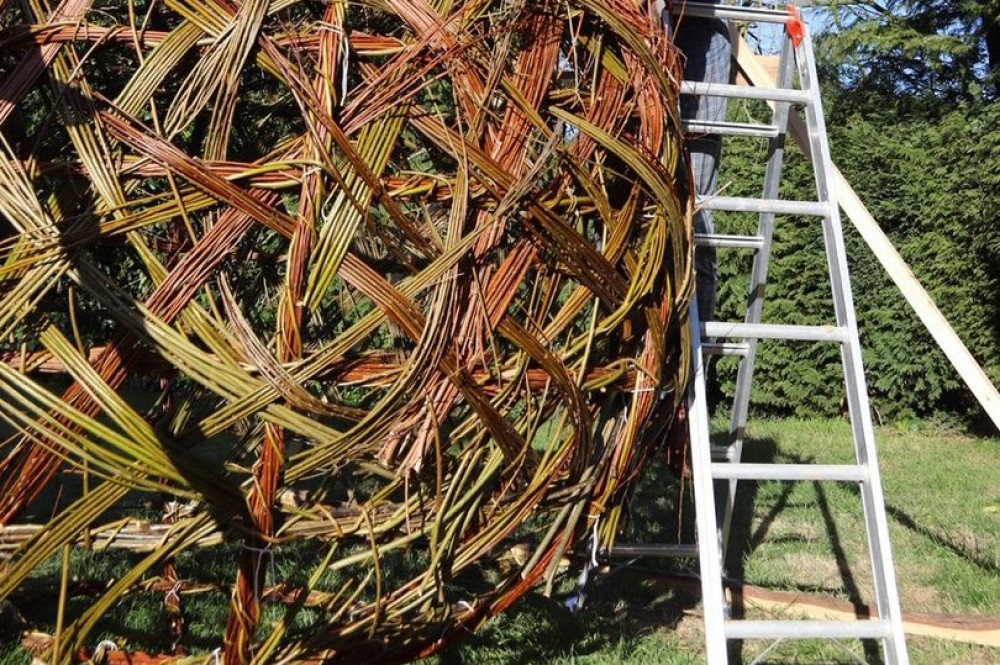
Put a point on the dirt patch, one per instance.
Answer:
(804, 530)
(690, 631)
(920, 599)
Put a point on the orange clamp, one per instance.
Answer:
(795, 27)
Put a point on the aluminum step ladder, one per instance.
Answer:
(711, 464)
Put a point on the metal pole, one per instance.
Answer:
(709, 545)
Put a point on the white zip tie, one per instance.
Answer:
(107, 645)
(216, 653)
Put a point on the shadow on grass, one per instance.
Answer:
(622, 607)
(621, 612)
(989, 566)
(745, 540)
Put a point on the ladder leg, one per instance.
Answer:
(758, 282)
(709, 544)
(873, 502)
(719, 628)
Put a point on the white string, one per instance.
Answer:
(215, 655)
(345, 60)
(575, 602)
(261, 553)
(593, 543)
(345, 63)
(107, 645)
(172, 509)
(173, 592)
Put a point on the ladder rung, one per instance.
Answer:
(715, 467)
(623, 551)
(731, 129)
(806, 630)
(728, 241)
(833, 472)
(725, 349)
(725, 330)
(776, 206)
(731, 91)
(730, 13)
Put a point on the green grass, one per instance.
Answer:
(942, 495)
(941, 488)
(943, 498)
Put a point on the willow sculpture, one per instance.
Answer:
(380, 285)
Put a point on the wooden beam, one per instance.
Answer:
(981, 630)
(769, 63)
(918, 298)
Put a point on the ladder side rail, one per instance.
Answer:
(758, 282)
(709, 544)
(873, 502)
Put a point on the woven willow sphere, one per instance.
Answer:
(365, 297)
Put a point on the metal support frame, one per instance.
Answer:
(758, 279)
(709, 541)
(741, 339)
(873, 501)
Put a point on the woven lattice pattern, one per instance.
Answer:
(392, 287)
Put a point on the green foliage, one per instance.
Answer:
(928, 184)
(791, 378)
(910, 97)
(929, 49)
(932, 186)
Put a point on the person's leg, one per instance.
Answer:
(707, 49)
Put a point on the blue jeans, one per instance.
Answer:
(708, 52)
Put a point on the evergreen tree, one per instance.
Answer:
(943, 49)
(911, 104)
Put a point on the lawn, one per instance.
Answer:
(943, 496)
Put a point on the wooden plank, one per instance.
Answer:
(770, 65)
(984, 631)
(918, 298)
